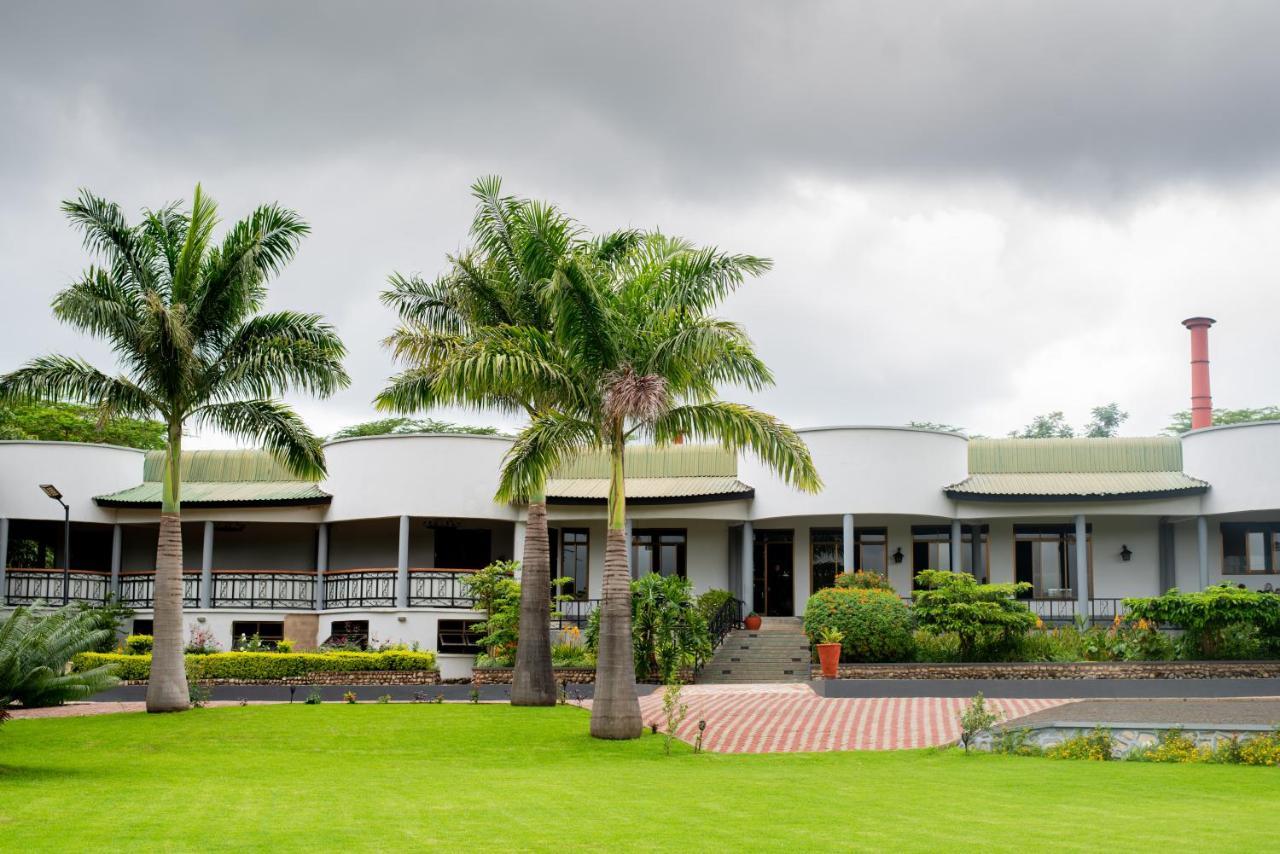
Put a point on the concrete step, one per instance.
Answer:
(777, 652)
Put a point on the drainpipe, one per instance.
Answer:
(1082, 568)
(1201, 400)
(848, 542)
(206, 567)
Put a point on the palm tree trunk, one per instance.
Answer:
(615, 709)
(167, 686)
(533, 683)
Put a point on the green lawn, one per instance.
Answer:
(491, 777)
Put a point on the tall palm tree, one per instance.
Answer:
(494, 288)
(634, 350)
(181, 313)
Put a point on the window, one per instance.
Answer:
(826, 553)
(931, 549)
(143, 627)
(458, 636)
(1250, 548)
(349, 631)
(1045, 558)
(574, 555)
(268, 633)
(658, 550)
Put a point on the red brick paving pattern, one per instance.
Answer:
(792, 718)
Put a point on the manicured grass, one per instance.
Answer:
(463, 777)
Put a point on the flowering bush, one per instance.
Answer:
(875, 624)
(1097, 746)
(202, 641)
(1173, 746)
(863, 580)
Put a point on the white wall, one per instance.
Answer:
(79, 471)
(1241, 462)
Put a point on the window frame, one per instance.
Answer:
(836, 535)
(583, 590)
(1271, 533)
(682, 547)
(271, 641)
(1064, 535)
(468, 631)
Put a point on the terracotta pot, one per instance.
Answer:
(829, 655)
(752, 622)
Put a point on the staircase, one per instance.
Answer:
(776, 652)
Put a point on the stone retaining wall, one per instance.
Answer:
(1126, 737)
(1066, 670)
(572, 675)
(333, 677)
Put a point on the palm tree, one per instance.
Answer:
(181, 313)
(495, 287)
(633, 355)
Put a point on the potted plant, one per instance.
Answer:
(829, 651)
(752, 621)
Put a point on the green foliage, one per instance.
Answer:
(668, 631)
(197, 694)
(497, 594)
(69, 422)
(1097, 745)
(1015, 742)
(110, 617)
(404, 424)
(976, 719)
(1172, 745)
(570, 650)
(863, 579)
(1182, 420)
(383, 699)
(1220, 621)
(1260, 750)
(935, 425)
(261, 665)
(138, 644)
(349, 697)
(1106, 421)
(283, 645)
(314, 697)
(829, 634)
(1052, 425)
(673, 714)
(710, 603)
(986, 618)
(35, 649)
(875, 625)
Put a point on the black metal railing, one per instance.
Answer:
(440, 588)
(360, 588)
(28, 586)
(1066, 610)
(138, 589)
(259, 589)
(726, 618)
(573, 613)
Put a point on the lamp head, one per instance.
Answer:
(51, 491)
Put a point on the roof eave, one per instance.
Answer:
(675, 499)
(1150, 495)
(310, 501)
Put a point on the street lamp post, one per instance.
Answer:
(52, 491)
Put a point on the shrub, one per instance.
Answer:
(35, 649)
(933, 648)
(284, 646)
(197, 694)
(668, 632)
(984, 617)
(262, 665)
(710, 603)
(875, 624)
(111, 616)
(349, 697)
(313, 697)
(976, 719)
(1173, 746)
(201, 641)
(1261, 750)
(1220, 621)
(1016, 742)
(497, 594)
(1097, 745)
(138, 644)
(863, 579)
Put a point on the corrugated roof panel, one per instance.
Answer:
(674, 488)
(1048, 485)
(644, 461)
(228, 466)
(1147, 453)
(203, 493)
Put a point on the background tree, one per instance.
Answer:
(1052, 425)
(66, 422)
(634, 356)
(181, 314)
(1182, 420)
(1106, 421)
(493, 291)
(403, 424)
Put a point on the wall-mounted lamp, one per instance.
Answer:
(402, 619)
(1125, 553)
(897, 555)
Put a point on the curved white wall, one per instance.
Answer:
(419, 475)
(867, 470)
(1241, 463)
(78, 470)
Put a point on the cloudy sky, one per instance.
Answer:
(977, 211)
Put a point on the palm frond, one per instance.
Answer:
(271, 353)
(65, 379)
(271, 424)
(100, 305)
(549, 440)
(200, 225)
(106, 232)
(35, 649)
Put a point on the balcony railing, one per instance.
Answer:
(574, 613)
(1065, 610)
(440, 588)
(263, 588)
(27, 586)
(360, 588)
(138, 589)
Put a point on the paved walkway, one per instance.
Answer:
(1257, 711)
(792, 719)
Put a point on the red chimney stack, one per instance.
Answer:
(1201, 400)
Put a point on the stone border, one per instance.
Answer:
(1125, 737)
(1063, 670)
(331, 677)
(571, 675)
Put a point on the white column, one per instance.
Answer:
(957, 546)
(402, 565)
(847, 542)
(117, 537)
(748, 567)
(517, 539)
(206, 567)
(802, 579)
(626, 534)
(1082, 568)
(1202, 550)
(4, 560)
(322, 562)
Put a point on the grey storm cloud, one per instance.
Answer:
(977, 210)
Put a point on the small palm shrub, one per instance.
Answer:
(875, 625)
(35, 650)
(668, 631)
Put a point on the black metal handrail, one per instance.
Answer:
(269, 590)
(441, 588)
(726, 618)
(138, 590)
(27, 586)
(360, 589)
(573, 613)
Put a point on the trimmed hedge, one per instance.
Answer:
(262, 665)
(876, 624)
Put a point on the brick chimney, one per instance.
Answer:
(1201, 400)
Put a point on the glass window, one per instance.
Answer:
(1250, 547)
(574, 554)
(143, 627)
(931, 549)
(1045, 557)
(871, 550)
(658, 550)
(267, 632)
(458, 636)
(826, 546)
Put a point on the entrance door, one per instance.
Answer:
(773, 574)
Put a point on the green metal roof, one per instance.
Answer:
(643, 461)
(1057, 469)
(649, 489)
(236, 478)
